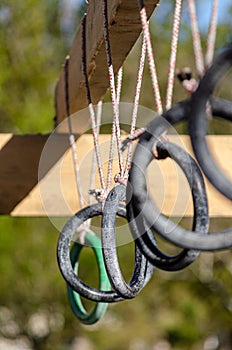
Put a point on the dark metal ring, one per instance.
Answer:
(64, 260)
(143, 270)
(198, 122)
(144, 236)
(173, 233)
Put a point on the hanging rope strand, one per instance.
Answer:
(119, 85)
(199, 60)
(173, 54)
(115, 126)
(211, 38)
(71, 135)
(94, 161)
(151, 61)
(113, 137)
(136, 104)
(90, 106)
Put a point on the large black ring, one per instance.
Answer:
(143, 270)
(64, 260)
(140, 200)
(198, 122)
(143, 236)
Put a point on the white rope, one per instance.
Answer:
(136, 104)
(96, 145)
(119, 85)
(150, 56)
(76, 169)
(91, 108)
(211, 38)
(199, 60)
(116, 134)
(94, 161)
(174, 45)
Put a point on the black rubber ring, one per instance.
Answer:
(198, 122)
(64, 260)
(174, 233)
(144, 236)
(143, 270)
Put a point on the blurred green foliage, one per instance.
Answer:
(182, 309)
(33, 46)
(187, 310)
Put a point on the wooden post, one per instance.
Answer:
(124, 30)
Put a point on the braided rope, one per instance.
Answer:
(211, 38)
(119, 85)
(95, 129)
(136, 104)
(94, 161)
(174, 45)
(115, 126)
(199, 60)
(150, 56)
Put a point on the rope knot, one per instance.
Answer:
(99, 194)
(189, 83)
(118, 178)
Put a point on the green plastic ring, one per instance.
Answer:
(74, 298)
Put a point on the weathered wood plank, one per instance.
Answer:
(24, 157)
(124, 30)
(19, 159)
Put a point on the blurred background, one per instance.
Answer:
(186, 310)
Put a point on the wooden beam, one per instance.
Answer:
(124, 30)
(25, 159)
(19, 158)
